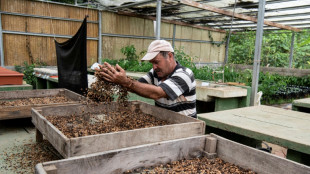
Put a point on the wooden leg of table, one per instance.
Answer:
(39, 136)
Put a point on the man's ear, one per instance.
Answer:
(170, 55)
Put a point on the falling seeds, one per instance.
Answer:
(104, 91)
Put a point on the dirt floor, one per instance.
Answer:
(19, 152)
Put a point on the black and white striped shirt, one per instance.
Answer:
(180, 86)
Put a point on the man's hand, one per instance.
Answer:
(115, 75)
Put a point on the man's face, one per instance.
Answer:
(163, 66)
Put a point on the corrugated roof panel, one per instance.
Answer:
(294, 13)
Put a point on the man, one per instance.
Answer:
(171, 85)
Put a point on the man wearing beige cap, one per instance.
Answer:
(171, 85)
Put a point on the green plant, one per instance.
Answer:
(275, 50)
(130, 53)
(28, 71)
(183, 58)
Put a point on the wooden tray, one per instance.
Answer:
(119, 161)
(183, 126)
(12, 112)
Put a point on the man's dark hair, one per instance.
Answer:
(165, 53)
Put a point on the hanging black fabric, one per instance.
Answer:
(72, 61)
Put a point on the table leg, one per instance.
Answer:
(39, 136)
(226, 103)
(298, 157)
(40, 83)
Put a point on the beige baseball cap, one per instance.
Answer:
(155, 47)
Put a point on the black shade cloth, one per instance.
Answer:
(72, 61)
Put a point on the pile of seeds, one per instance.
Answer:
(104, 91)
(23, 158)
(112, 121)
(35, 101)
(193, 166)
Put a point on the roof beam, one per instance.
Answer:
(171, 21)
(237, 15)
(132, 4)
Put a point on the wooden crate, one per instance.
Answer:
(12, 112)
(121, 160)
(182, 126)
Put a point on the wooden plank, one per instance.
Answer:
(275, 125)
(148, 28)
(108, 47)
(205, 47)
(108, 24)
(73, 95)
(162, 114)
(110, 141)
(136, 26)
(302, 103)
(121, 160)
(259, 161)
(21, 94)
(214, 51)
(166, 30)
(39, 169)
(59, 141)
(237, 15)
(39, 136)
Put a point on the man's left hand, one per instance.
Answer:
(115, 75)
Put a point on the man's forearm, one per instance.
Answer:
(146, 90)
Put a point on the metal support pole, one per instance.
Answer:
(75, 2)
(99, 37)
(158, 19)
(173, 35)
(226, 50)
(257, 53)
(1, 43)
(292, 49)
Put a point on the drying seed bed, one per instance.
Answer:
(18, 104)
(36, 101)
(190, 153)
(81, 129)
(201, 165)
(113, 121)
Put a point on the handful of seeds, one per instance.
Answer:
(104, 91)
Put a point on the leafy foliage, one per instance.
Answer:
(275, 50)
(28, 71)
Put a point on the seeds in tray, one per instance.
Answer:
(111, 121)
(201, 165)
(36, 100)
